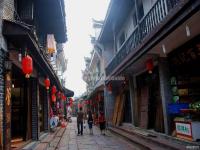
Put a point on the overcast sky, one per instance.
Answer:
(79, 14)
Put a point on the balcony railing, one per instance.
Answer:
(146, 25)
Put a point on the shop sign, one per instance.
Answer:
(184, 130)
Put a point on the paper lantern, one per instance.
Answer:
(53, 98)
(53, 89)
(149, 65)
(59, 94)
(47, 83)
(27, 66)
(63, 97)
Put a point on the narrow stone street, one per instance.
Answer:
(70, 140)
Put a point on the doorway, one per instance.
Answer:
(149, 101)
(127, 108)
(19, 110)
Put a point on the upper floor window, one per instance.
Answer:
(144, 6)
(24, 9)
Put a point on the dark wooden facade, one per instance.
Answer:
(24, 32)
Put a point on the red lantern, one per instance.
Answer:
(27, 66)
(63, 97)
(149, 65)
(80, 105)
(47, 83)
(53, 98)
(53, 89)
(59, 94)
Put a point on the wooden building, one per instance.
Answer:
(25, 102)
(150, 43)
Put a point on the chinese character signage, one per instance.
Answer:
(184, 130)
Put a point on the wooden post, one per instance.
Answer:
(8, 84)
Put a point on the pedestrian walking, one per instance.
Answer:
(102, 123)
(80, 116)
(90, 121)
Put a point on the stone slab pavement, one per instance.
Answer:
(70, 140)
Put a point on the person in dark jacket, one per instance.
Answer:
(90, 121)
(80, 118)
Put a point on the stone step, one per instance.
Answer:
(42, 146)
(143, 141)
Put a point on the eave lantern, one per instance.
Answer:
(149, 65)
(59, 94)
(53, 98)
(27, 66)
(47, 83)
(53, 90)
(63, 97)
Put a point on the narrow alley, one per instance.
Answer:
(70, 141)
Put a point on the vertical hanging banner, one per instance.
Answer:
(51, 44)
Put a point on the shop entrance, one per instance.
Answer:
(19, 110)
(127, 108)
(149, 101)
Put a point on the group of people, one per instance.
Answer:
(90, 120)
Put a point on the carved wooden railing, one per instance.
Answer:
(147, 24)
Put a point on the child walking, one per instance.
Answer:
(90, 121)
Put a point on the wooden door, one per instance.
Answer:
(143, 107)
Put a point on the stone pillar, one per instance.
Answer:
(34, 95)
(46, 111)
(165, 90)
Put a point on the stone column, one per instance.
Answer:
(165, 90)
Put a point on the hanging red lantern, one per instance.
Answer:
(27, 66)
(80, 105)
(63, 97)
(53, 89)
(149, 65)
(53, 98)
(47, 83)
(59, 94)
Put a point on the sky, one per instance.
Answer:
(79, 14)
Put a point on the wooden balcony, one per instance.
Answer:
(156, 15)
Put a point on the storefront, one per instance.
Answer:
(149, 105)
(20, 109)
(184, 109)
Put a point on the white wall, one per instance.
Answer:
(108, 53)
(147, 4)
(128, 27)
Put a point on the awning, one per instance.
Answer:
(21, 36)
(68, 92)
